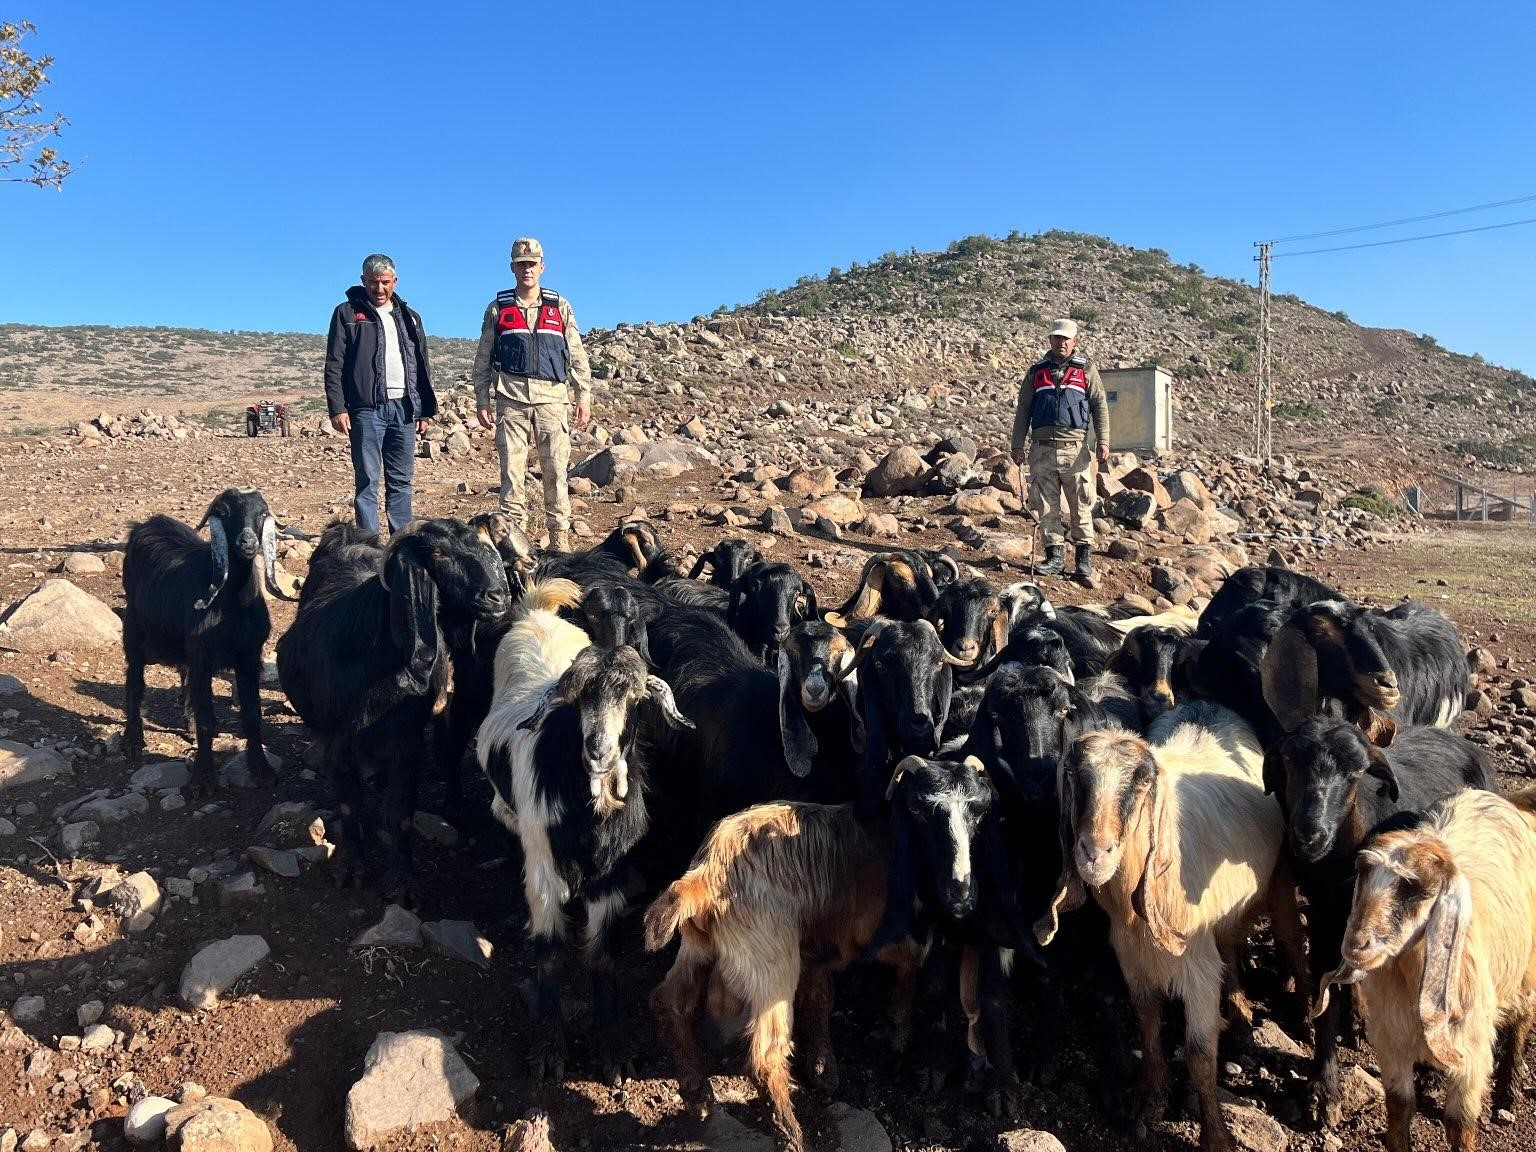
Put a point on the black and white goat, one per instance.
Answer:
(366, 664)
(565, 750)
(199, 607)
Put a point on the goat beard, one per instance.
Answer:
(610, 789)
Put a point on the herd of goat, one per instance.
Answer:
(930, 777)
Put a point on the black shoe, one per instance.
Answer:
(1054, 561)
(1084, 562)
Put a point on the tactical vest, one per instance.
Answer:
(539, 352)
(1063, 405)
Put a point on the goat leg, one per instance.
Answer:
(546, 1055)
(770, 1049)
(248, 688)
(1153, 1089)
(133, 705)
(347, 867)
(677, 1002)
(1003, 1089)
(813, 1008)
(402, 775)
(204, 775)
(933, 1044)
(1509, 1072)
(603, 911)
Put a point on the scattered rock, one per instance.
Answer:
(89, 1012)
(278, 861)
(1359, 1090)
(6, 827)
(161, 775)
(60, 615)
(145, 1123)
(857, 1130)
(137, 900)
(1028, 1140)
(902, 472)
(97, 1038)
(1272, 1036)
(839, 509)
(398, 929)
(1255, 1130)
(216, 967)
(20, 764)
(237, 774)
(215, 1124)
(458, 940)
(409, 1078)
(28, 1008)
(78, 836)
(11, 685)
(722, 1132)
(113, 809)
(82, 564)
(430, 826)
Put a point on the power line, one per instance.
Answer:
(1404, 220)
(1406, 239)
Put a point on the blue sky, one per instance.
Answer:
(235, 162)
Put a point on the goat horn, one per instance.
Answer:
(858, 657)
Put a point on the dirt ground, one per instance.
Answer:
(290, 1040)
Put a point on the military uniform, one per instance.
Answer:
(530, 355)
(1063, 414)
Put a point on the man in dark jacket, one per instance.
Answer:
(378, 389)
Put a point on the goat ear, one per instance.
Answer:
(1070, 892)
(705, 558)
(1376, 766)
(1288, 675)
(534, 719)
(661, 692)
(1445, 943)
(1152, 900)
(812, 609)
(999, 634)
(1379, 728)
(412, 618)
(641, 643)
(799, 741)
(635, 536)
(1274, 772)
(218, 548)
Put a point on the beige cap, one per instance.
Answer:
(1067, 328)
(526, 248)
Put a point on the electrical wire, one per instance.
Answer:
(1404, 220)
(1403, 239)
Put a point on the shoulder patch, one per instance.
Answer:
(506, 296)
(1080, 361)
(549, 297)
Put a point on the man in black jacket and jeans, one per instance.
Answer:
(378, 389)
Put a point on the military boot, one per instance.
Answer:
(1084, 568)
(1054, 560)
(559, 540)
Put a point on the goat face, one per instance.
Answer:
(970, 619)
(239, 518)
(464, 567)
(612, 616)
(510, 541)
(908, 686)
(1027, 718)
(1407, 887)
(1154, 660)
(727, 562)
(818, 654)
(1351, 664)
(1317, 771)
(1104, 779)
(942, 805)
(606, 685)
(767, 601)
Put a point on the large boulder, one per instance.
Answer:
(901, 472)
(215, 1124)
(1134, 509)
(1144, 479)
(1185, 485)
(409, 1078)
(609, 465)
(841, 510)
(60, 616)
(1185, 519)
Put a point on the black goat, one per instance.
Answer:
(199, 607)
(1157, 663)
(1336, 788)
(365, 663)
(726, 561)
(972, 619)
(1276, 586)
(765, 603)
(751, 740)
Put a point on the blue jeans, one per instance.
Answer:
(383, 440)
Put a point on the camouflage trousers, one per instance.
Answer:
(1056, 471)
(548, 427)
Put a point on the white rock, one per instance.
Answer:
(89, 1012)
(398, 929)
(218, 966)
(409, 1078)
(82, 564)
(137, 900)
(60, 615)
(6, 827)
(28, 1008)
(162, 774)
(78, 836)
(11, 685)
(97, 1038)
(20, 764)
(113, 809)
(145, 1123)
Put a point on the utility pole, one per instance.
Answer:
(1263, 416)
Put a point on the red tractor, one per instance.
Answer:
(265, 416)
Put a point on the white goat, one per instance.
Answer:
(1442, 940)
(1179, 844)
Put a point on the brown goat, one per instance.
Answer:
(779, 898)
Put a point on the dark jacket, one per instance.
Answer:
(354, 358)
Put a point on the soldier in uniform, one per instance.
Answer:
(1062, 409)
(529, 349)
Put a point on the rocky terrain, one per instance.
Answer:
(168, 964)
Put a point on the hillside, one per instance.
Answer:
(856, 345)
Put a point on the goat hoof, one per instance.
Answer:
(823, 1073)
(931, 1080)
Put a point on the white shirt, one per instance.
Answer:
(394, 362)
